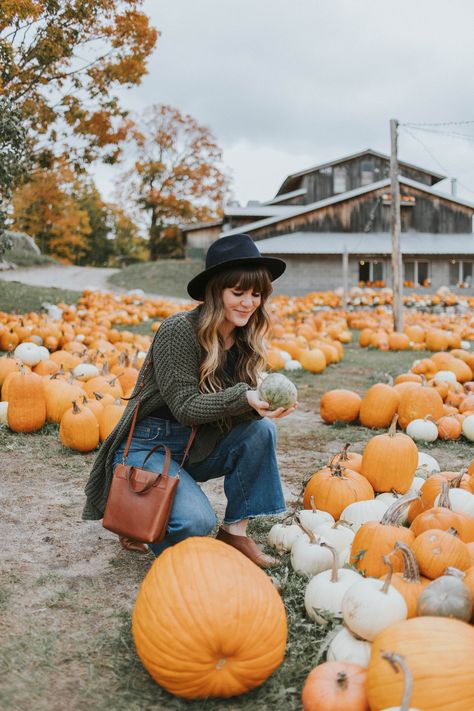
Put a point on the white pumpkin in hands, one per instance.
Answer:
(325, 590)
(371, 605)
(282, 536)
(346, 648)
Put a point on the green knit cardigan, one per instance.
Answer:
(170, 376)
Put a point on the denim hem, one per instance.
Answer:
(259, 515)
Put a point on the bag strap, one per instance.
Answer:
(186, 452)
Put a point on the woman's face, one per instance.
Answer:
(239, 305)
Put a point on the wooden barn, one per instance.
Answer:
(344, 206)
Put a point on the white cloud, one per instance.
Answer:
(285, 85)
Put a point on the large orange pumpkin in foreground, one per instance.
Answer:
(437, 651)
(207, 621)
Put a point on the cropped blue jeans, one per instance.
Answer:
(245, 457)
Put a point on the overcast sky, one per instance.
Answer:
(284, 85)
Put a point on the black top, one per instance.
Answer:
(164, 413)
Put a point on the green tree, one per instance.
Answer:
(177, 177)
(98, 247)
(128, 245)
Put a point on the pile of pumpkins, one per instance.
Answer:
(81, 389)
(435, 399)
(406, 530)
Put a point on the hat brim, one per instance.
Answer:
(197, 285)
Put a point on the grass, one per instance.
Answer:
(20, 298)
(166, 276)
(26, 258)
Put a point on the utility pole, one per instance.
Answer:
(395, 228)
(345, 277)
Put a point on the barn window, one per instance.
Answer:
(460, 273)
(371, 272)
(416, 273)
(340, 180)
(366, 172)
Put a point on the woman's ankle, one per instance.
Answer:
(236, 529)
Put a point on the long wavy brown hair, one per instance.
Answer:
(250, 339)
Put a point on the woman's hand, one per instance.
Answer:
(263, 408)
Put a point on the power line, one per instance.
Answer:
(452, 134)
(433, 156)
(441, 123)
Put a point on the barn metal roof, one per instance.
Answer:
(286, 196)
(342, 197)
(361, 243)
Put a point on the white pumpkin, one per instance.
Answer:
(325, 591)
(309, 557)
(339, 535)
(282, 537)
(43, 353)
(460, 501)
(3, 412)
(427, 465)
(360, 512)
(445, 376)
(85, 371)
(370, 605)
(466, 345)
(417, 483)
(422, 430)
(312, 519)
(468, 427)
(292, 365)
(285, 355)
(28, 354)
(346, 648)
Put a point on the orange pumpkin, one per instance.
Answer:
(225, 638)
(417, 403)
(409, 582)
(437, 550)
(390, 460)
(335, 487)
(26, 402)
(333, 686)
(79, 429)
(339, 406)
(378, 406)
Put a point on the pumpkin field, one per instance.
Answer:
(68, 591)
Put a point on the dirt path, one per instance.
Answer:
(75, 278)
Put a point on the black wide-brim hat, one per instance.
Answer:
(228, 253)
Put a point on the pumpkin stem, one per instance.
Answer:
(455, 572)
(336, 470)
(310, 534)
(444, 496)
(453, 532)
(341, 680)
(98, 396)
(105, 368)
(342, 454)
(398, 663)
(456, 482)
(393, 427)
(392, 515)
(388, 579)
(411, 571)
(75, 409)
(334, 576)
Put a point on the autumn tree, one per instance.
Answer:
(177, 176)
(48, 210)
(127, 243)
(60, 64)
(98, 245)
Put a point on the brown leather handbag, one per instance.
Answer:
(140, 501)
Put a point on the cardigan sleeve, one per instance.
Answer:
(176, 365)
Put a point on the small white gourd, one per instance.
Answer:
(292, 365)
(445, 376)
(422, 430)
(309, 557)
(460, 501)
(282, 537)
(85, 371)
(28, 354)
(3, 412)
(427, 465)
(360, 512)
(325, 590)
(313, 518)
(370, 605)
(468, 427)
(340, 534)
(347, 648)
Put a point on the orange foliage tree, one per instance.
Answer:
(60, 65)
(177, 177)
(46, 208)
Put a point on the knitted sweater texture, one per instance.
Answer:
(169, 375)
